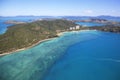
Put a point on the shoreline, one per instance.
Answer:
(11, 52)
(39, 42)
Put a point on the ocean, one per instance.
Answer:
(93, 59)
(89, 24)
(82, 55)
(3, 26)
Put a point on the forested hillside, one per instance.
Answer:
(24, 35)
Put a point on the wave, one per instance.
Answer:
(97, 59)
(109, 59)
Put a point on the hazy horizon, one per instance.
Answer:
(59, 7)
(58, 16)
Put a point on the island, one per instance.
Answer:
(22, 36)
(101, 21)
(14, 22)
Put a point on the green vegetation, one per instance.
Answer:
(24, 35)
(107, 28)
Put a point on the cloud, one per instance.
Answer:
(88, 11)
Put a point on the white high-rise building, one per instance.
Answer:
(77, 27)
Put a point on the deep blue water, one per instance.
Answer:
(84, 55)
(3, 27)
(93, 59)
(89, 24)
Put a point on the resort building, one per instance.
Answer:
(77, 27)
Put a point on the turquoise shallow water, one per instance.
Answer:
(32, 64)
(85, 55)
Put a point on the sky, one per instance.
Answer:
(59, 7)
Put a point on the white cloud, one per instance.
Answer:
(88, 11)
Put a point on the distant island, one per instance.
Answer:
(25, 35)
(14, 22)
(103, 21)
